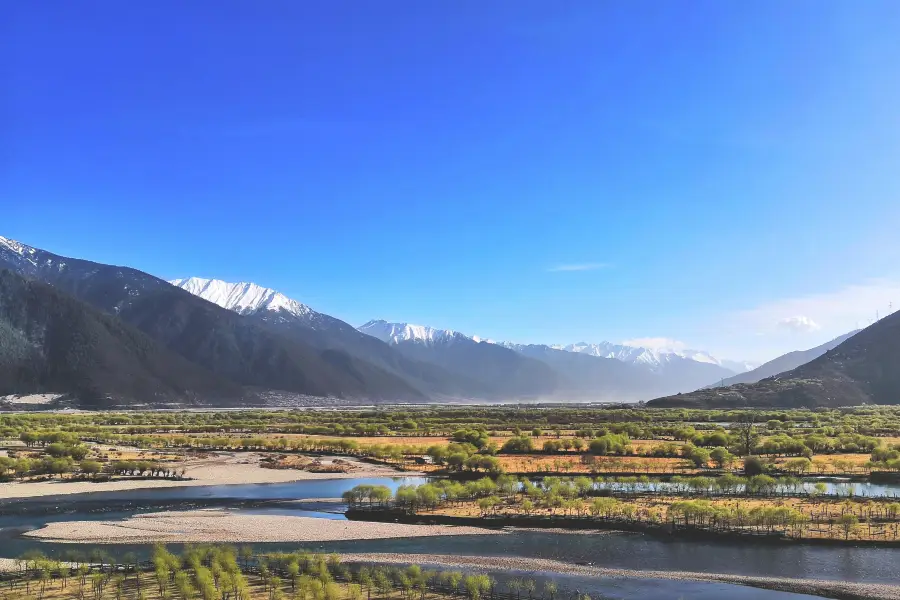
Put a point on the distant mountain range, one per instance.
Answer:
(295, 321)
(681, 369)
(113, 336)
(612, 372)
(232, 346)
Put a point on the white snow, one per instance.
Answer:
(19, 249)
(655, 356)
(243, 298)
(394, 333)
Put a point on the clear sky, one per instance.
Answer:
(725, 174)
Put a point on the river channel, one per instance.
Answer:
(613, 550)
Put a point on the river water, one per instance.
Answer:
(615, 550)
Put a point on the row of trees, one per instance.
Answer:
(555, 491)
(11, 468)
(635, 421)
(228, 573)
(572, 498)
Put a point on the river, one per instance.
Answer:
(615, 550)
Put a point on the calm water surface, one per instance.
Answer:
(618, 550)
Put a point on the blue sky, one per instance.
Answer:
(723, 174)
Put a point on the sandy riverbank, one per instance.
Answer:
(223, 468)
(816, 587)
(228, 526)
(8, 564)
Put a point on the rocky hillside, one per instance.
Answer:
(53, 343)
(864, 369)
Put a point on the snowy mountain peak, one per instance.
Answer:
(242, 298)
(395, 333)
(653, 352)
(18, 249)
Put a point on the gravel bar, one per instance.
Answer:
(220, 526)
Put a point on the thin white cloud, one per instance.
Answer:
(771, 328)
(838, 311)
(578, 267)
(799, 324)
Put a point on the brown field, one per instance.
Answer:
(826, 463)
(128, 453)
(562, 463)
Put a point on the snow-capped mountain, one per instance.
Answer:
(244, 350)
(242, 298)
(643, 372)
(395, 333)
(296, 321)
(739, 366)
(501, 372)
(654, 358)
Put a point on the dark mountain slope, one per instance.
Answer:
(226, 343)
(864, 369)
(785, 362)
(586, 377)
(53, 343)
(329, 333)
(679, 374)
(297, 321)
(501, 373)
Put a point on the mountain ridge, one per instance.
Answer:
(503, 373)
(51, 342)
(786, 362)
(292, 319)
(212, 337)
(242, 336)
(668, 373)
(863, 369)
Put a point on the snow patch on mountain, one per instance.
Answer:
(19, 249)
(655, 355)
(242, 298)
(739, 366)
(396, 333)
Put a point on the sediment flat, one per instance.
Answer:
(842, 590)
(225, 468)
(8, 564)
(212, 526)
